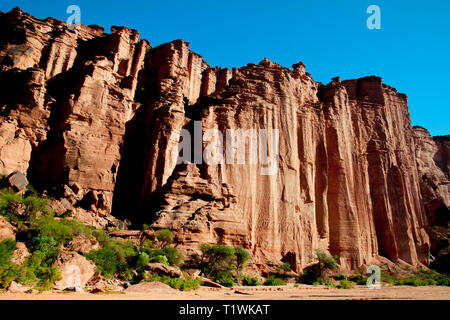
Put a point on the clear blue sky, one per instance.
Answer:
(411, 52)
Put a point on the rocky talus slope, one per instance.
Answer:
(98, 111)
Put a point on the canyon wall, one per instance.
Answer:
(102, 113)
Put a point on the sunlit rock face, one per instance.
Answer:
(104, 112)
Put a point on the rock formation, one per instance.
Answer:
(102, 113)
(432, 156)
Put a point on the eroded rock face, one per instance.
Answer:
(432, 156)
(7, 231)
(102, 113)
(67, 97)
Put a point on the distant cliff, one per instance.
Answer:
(98, 112)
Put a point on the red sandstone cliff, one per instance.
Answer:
(98, 111)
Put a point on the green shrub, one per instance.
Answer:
(7, 270)
(106, 262)
(189, 283)
(242, 257)
(35, 204)
(165, 237)
(444, 281)
(116, 257)
(43, 236)
(7, 197)
(174, 257)
(250, 281)
(420, 278)
(358, 278)
(142, 260)
(19, 210)
(9, 200)
(340, 276)
(225, 279)
(169, 256)
(146, 244)
(330, 284)
(61, 230)
(7, 248)
(216, 259)
(219, 260)
(325, 261)
(160, 259)
(7, 274)
(45, 245)
(316, 271)
(38, 271)
(272, 281)
(345, 284)
(284, 268)
(101, 236)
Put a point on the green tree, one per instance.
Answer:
(216, 259)
(284, 268)
(250, 281)
(315, 273)
(325, 261)
(242, 257)
(165, 237)
(272, 281)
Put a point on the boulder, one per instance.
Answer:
(17, 181)
(70, 194)
(15, 287)
(75, 269)
(209, 283)
(61, 206)
(20, 254)
(193, 272)
(83, 244)
(7, 231)
(99, 284)
(89, 218)
(162, 269)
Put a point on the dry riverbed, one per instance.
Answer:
(303, 292)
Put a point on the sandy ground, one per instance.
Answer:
(256, 293)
